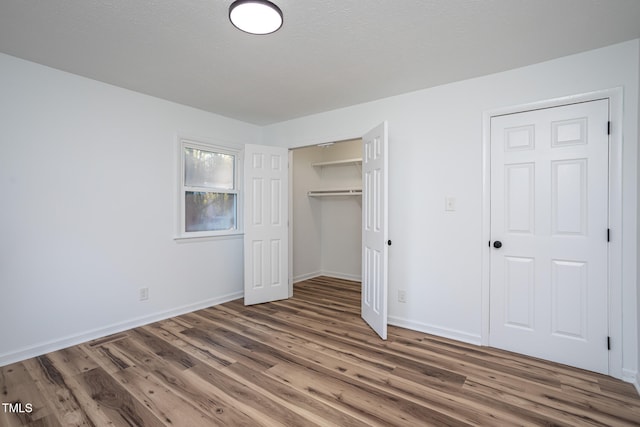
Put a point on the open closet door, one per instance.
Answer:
(266, 240)
(374, 229)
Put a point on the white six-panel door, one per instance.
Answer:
(374, 229)
(549, 206)
(266, 241)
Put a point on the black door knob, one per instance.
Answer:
(497, 244)
(389, 242)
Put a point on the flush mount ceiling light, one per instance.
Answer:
(255, 16)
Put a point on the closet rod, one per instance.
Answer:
(348, 192)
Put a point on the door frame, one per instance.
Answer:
(614, 264)
(291, 219)
(290, 195)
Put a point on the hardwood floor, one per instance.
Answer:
(306, 361)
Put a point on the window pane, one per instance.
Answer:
(208, 169)
(210, 211)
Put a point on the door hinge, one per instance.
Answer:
(608, 234)
(608, 343)
(609, 128)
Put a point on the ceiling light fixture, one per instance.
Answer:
(255, 16)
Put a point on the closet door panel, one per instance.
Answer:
(374, 229)
(266, 231)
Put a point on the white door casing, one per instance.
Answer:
(549, 209)
(266, 240)
(374, 229)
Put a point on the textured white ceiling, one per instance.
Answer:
(328, 54)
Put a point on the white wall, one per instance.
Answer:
(435, 151)
(88, 178)
(326, 230)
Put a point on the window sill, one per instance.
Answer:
(194, 239)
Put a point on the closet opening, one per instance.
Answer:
(325, 229)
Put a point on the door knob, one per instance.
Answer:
(497, 244)
(389, 242)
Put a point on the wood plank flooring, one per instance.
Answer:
(307, 361)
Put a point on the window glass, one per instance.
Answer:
(210, 211)
(208, 169)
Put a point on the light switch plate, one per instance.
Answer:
(450, 204)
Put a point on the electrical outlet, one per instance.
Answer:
(144, 294)
(402, 296)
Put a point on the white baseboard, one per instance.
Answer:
(335, 274)
(629, 376)
(344, 276)
(632, 377)
(306, 276)
(71, 340)
(435, 330)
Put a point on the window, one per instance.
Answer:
(209, 196)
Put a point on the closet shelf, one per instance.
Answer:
(338, 162)
(336, 192)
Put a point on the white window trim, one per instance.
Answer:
(198, 143)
